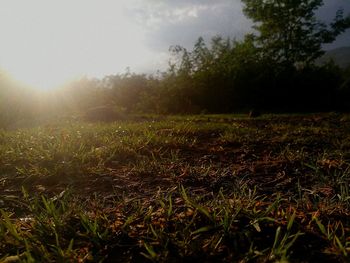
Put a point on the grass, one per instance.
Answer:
(205, 188)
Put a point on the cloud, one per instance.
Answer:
(327, 13)
(63, 39)
(330, 7)
(168, 22)
(181, 22)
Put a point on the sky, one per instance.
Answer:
(45, 43)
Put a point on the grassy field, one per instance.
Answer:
(210, 188)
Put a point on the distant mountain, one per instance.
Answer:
(341, 57)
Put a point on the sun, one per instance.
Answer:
(39, 77)
(46, 44)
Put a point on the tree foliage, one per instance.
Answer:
(289, 31)
(271, 69)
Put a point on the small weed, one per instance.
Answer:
(203, 188)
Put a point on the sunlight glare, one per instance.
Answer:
(47, 43)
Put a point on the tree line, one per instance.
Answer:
(271, 69)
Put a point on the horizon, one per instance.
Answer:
(42, 50)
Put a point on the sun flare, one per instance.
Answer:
(49, 43)
(41, 78)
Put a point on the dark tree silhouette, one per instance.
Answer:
(288, 30)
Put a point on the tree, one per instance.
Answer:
(288, 30)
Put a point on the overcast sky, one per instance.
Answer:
(46, 42)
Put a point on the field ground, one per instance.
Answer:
(210, 188)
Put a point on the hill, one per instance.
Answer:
(341, 56)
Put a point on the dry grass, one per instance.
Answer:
(203, 188)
